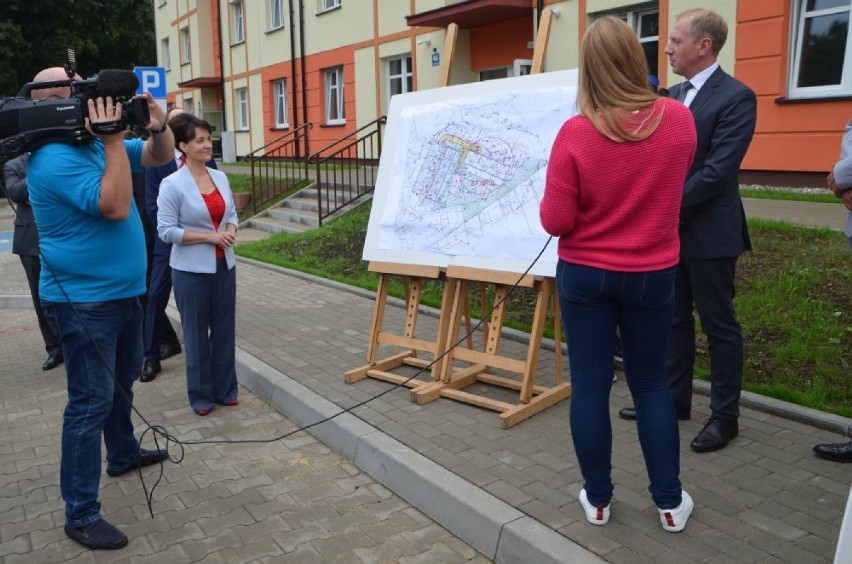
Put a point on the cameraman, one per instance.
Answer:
(93, 270)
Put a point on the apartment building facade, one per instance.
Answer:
(257, 69)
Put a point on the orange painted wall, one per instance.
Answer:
(801, 136)
(498, 45)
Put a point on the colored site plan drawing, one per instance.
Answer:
(467, 175)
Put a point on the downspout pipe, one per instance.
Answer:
(221, 65)
(304, 77)
(293, 89)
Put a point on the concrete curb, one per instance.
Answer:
(490, 525)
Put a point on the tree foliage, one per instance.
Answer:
(34, 34)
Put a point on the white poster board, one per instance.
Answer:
(462, 174)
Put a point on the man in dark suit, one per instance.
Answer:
(161, 341)
(713, 230)
(25, 245)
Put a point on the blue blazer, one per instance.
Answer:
(843, 170)
(713, 223)
(182, 208)
(153, 177)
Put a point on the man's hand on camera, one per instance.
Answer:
(104, 119)
(155, 111)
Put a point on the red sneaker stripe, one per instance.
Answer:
(600, 514)
(669, 519)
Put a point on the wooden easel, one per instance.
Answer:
(532, 398)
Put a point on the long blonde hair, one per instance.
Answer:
(613, 86)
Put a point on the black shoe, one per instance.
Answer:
(150, 370)
(97, 535)
(629, 413)
(146, 458)
(715, 434)
(170, 350)
(838, 452)
(53, 360)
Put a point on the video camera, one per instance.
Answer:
(26, 124)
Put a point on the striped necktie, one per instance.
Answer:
(684, 89)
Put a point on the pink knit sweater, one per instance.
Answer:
(616, 206)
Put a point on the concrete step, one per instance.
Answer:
(297, 202)
(274, 225)
(305, 217)
(251, 234)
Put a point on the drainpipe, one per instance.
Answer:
(302, 61)
(294, 90)
(221, 66)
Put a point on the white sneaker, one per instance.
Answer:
(595, 515)
(674, 520)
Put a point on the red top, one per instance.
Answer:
(216, 206)
(616, 206)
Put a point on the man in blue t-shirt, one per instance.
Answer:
(92, 272)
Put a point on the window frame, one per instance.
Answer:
(238, 21)
(166, 54)
(189, 105)
(241, 96)
(798, 20)
(329, 91)
(279, 94)
(185, 46)
(406, 75)
(272, 22)
(329, 5)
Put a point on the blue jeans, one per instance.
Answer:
(594, 302)
(102, 346)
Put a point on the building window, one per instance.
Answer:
(165, 55)
(646, 24)
(185, 51)
(279, 98)
(237, 21)
(334, 114)
(276, 14)
(326, 5)
(242, 109)
(822, 55)
(400, 77)
(187, 106)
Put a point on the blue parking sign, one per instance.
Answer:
(151, 79)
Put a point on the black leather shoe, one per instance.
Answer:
(838, 452)
(170, 350)
(97, 535)
(150, 370)
(146, 458)
(629, 413)
(715, 434)
(53, 360)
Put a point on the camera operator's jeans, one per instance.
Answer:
(593, 302)
(98, 340)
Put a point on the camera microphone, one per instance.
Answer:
(117, 83)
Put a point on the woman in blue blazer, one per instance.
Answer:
(198, 217)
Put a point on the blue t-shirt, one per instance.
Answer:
(85, 256)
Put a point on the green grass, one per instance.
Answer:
(768, 193)
(794, 302)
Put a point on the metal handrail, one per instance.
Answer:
(349, 172)
(268, 178)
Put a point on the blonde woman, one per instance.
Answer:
(614, 184)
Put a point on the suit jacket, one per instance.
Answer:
(182, 208)
(843, 170)
(153, 177)
(713, 223)
(25, 239)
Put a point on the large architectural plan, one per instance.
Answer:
(462, 174)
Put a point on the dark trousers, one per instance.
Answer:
(158, 328)
(207, 305)
(709, 285)
(32, 266)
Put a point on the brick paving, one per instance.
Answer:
(765, 498)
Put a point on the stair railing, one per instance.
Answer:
(278, 166)
(346, 169)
